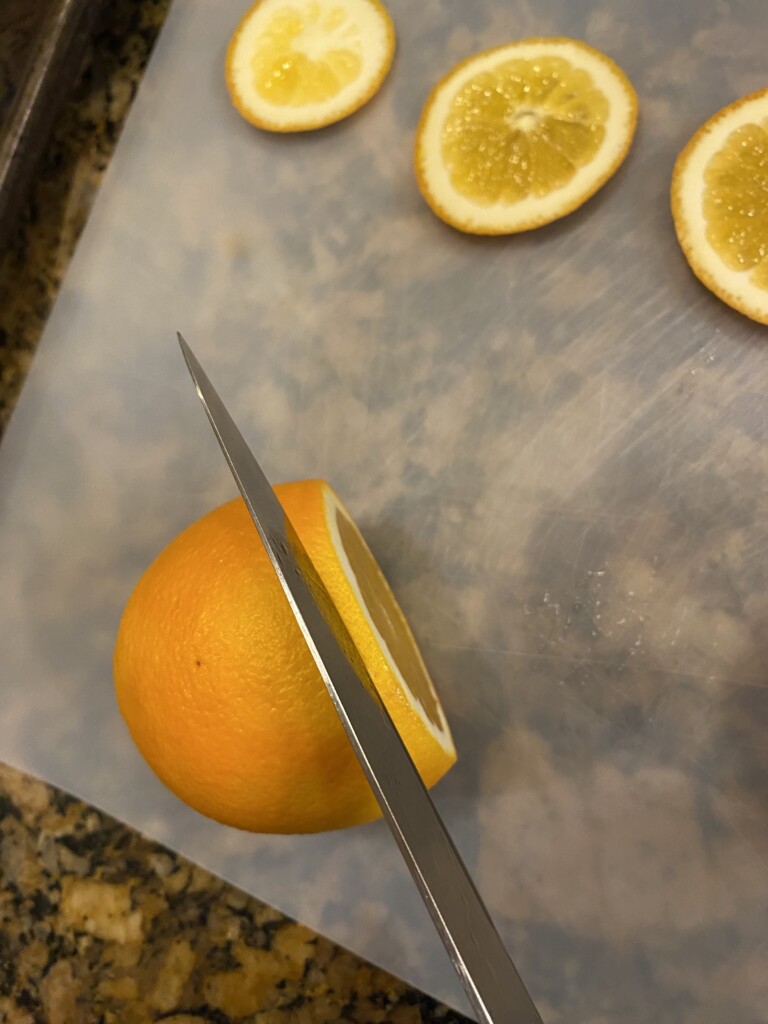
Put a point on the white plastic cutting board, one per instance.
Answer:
(555, 444)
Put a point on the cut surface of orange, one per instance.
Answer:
(221, 694)
(520, 135)
(296, 65)
(720, 204)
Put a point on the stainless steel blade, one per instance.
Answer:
(490, 979)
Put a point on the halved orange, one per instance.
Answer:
(520, 135)
(296, 65)
(221, 694)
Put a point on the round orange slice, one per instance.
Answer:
(720, 204)
(296, 65)
(520, 135)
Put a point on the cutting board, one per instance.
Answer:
(554, 443)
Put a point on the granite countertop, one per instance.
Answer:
(96, 922)
(66, 179)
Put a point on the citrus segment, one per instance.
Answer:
(221, 695)
(521, 135)
(391, 634)
(720, 204)
(295, 65)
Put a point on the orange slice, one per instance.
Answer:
(720, 204)
(295, 65)
(518, 136)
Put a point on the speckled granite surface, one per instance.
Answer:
(99, 924)
(96, 922)
(67, 177)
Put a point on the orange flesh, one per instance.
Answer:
(378, 603)
(522, 129)
(292, 66)
(736, 202)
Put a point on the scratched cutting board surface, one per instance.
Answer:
(555, 444)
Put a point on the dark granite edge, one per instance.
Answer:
(65, 182)
(56, 53)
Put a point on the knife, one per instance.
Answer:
(490, 979)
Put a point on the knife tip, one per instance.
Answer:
(186, 351)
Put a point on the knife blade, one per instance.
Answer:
(493, 986)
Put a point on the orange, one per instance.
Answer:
(219, 690)
(295, 65)
(520, 135)
(720, 204)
